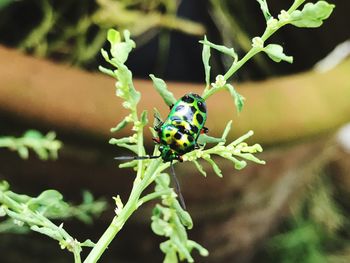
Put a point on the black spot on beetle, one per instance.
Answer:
(178, 136)
(193, 109)
(187, 99)
(185, 144)
(167, 135)
(194, 129)
(190, 138)
(199, 118)
(201, 106)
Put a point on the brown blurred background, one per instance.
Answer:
(293, 209)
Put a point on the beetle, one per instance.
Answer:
(179, 133)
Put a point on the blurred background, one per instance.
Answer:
(293, 209)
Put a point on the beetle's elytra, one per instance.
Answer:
(178, 134)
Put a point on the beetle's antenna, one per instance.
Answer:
(177, 187)
(137, 157)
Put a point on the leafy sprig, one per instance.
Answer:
(169, 219)
(36, 213)
(310, 16)
(45, 146)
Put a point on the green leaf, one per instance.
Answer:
(204, 139)
(238, 98)
(87, 243)
(216, 168)
(275, 52)
(312, 15)
(120, 50)
(121, 124)
(54, 234)
(223, 49)
(200, 168)
(144, 119)
(227, 130)
(265, 9)
(162, 89)
(23, 152)
(206, 58)
(106, 71)
(4, 185)
(202, 251)
(33, 134)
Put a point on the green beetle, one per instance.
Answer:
(178, 134)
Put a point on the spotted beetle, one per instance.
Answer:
(179, 133)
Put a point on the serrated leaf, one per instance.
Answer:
(312, 15)
(238, 98)
(275, 52)
(162, 89)
(205, 59)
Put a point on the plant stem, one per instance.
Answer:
(119, 220)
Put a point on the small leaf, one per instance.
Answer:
(4, 185)
(312, 15)
(23, 152)
(185, 218)
(33, 134)
(227, 130)
(223, 49)
(87, 243)
(202, 251)
(216, 168)
(204, 139)
(113, 36)
(275, 52)
(120, 50)
(121, 124)
(106, 71)
(265, 9)
(205, 59)
(200, 168)
(54, 234)
(162, 89)
(144, 119)
(238, 98)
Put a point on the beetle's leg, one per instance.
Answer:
(204, 130)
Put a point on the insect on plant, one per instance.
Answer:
(179, 133)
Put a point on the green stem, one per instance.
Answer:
(241, 62)
(119, 221)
